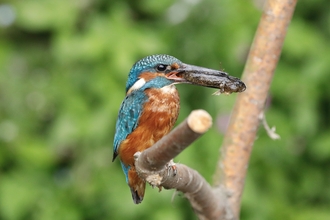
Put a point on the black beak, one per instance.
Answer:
(209, 78)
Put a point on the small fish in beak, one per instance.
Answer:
(211, 78)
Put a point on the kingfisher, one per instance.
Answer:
(150, 110)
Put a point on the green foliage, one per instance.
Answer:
(63, 67)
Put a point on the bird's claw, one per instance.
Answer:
(172, 166)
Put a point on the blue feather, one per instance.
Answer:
(157, 83)
(128, 116)
(125, 169)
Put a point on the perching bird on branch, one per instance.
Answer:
(151, 107)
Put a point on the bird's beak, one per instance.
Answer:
(201, 76)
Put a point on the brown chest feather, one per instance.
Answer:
(159, 116)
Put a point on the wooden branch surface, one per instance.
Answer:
(153, 166)
(261, 63)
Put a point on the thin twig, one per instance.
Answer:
(271, 131)
(258, 73)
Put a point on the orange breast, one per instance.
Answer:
(157, 119)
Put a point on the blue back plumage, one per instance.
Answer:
(128, 116)
(148, 64)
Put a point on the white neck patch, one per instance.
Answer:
(168, 89)
(137, 85)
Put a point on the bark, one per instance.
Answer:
(258, 73)
(155, 166)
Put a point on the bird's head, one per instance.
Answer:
(157, 71)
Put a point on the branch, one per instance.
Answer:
(157, 156)
(262, 60)
(152, 165)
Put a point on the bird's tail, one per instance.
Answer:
(137, 186)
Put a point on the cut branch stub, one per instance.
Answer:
(157, 156)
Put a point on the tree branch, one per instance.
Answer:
(157, 156)
(154, 166)
(262, 60)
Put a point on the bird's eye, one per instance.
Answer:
(161, 67)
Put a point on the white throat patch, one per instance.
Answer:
(168, 89)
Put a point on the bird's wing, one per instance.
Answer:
(128, 116)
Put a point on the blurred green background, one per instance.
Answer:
(63, 67)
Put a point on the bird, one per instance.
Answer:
(149, 110)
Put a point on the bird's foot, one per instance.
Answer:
(172, 166)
